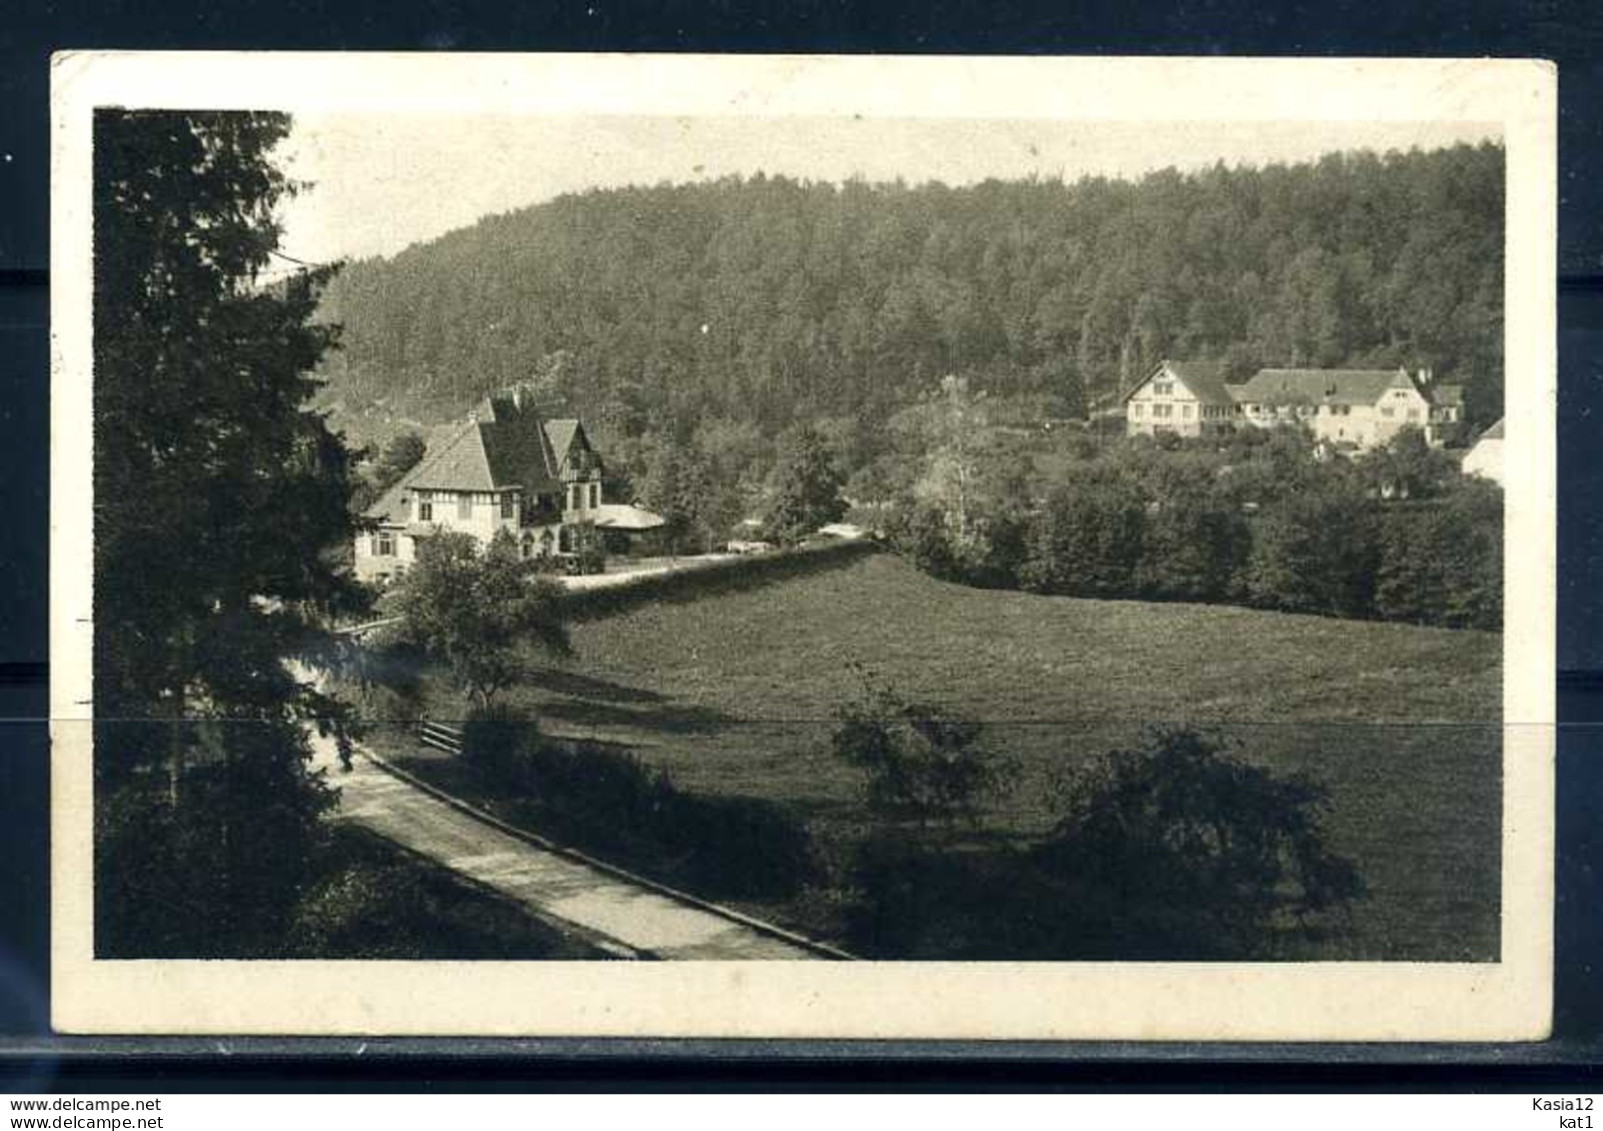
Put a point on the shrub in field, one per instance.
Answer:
(913, 900)
(738, 846)
(1176, 849)
(919, 763)
(499, 741)
(919, 533)
(899, 890)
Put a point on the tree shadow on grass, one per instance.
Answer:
(660, 716)
(589, 687)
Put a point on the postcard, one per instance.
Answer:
(810, 546)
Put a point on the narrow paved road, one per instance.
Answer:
(550, 885)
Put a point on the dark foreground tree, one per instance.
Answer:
(218, 498)
(1177, 850)
(480, 612)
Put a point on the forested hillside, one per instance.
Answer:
(764, 300)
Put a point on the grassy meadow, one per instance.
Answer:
(736, 694)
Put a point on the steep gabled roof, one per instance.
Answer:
(561, 434)
(1205, 379)
(518, 446)
(461, 463)
(1321, 386)
(1495, 432)
(503, 445)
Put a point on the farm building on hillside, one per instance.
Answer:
(1347, 408)
(1187, 398)
(504, 468)
(1357, 408)
(1485, 456)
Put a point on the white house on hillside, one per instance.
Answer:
(1187, 398)
(1347, 408)
(504, 468)
(1359, 408)
(1485, 456)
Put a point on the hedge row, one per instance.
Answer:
(607, 800)
(1326, 548)
(697, 579)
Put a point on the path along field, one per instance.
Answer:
(736, 693)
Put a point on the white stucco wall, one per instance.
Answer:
(1485, 460)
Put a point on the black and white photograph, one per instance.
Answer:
(833, 547)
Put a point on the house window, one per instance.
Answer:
(1163, 410)
(574, 499)
(1135, 410)
(595, 495)
(384, 544)
(464, 505)
(1413, 414)
(1185, 411)
(1163, 388)
(509, 507)
(1388, 411)
(425, 506)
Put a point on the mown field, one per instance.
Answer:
(736, 694)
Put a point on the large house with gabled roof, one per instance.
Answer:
(1356, 409)
(1352, 408)
(1186, 398)
(504, 468)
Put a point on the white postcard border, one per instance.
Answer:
(1507, 1000)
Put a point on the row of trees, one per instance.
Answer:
(760, 301)
(1398, 534)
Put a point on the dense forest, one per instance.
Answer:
(760, 301)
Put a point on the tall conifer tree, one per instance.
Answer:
(219, 499)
